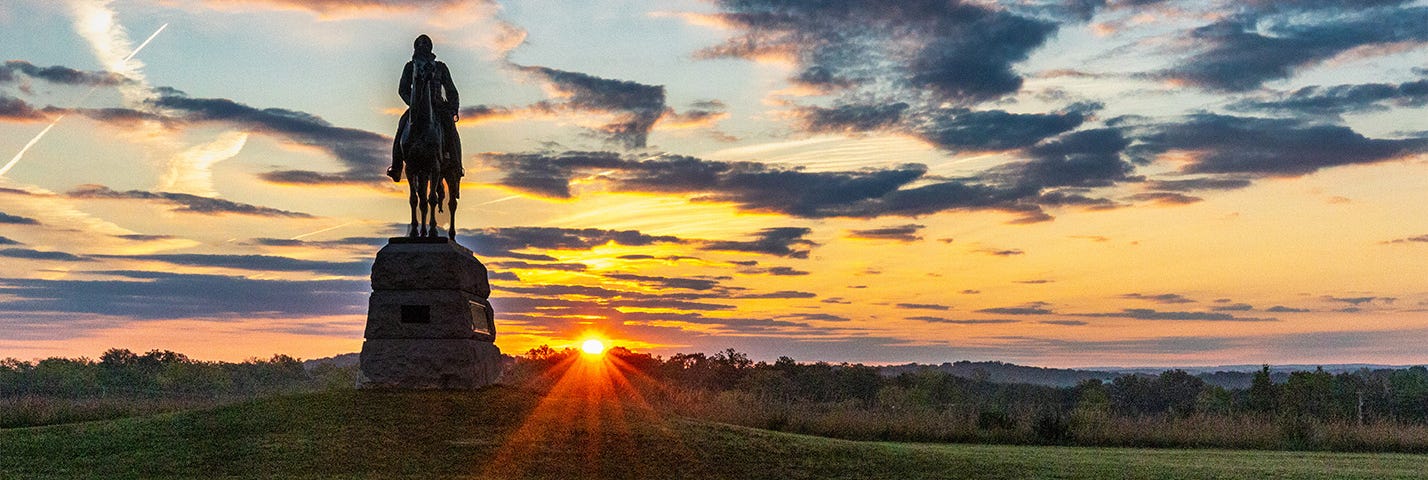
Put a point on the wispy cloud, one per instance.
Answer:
(902, 233)
(184, 202)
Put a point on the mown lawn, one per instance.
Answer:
(507, 432)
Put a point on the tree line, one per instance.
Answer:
(1382, 409)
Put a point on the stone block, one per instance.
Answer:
(430, 264)
(428, 364)
(429, 314)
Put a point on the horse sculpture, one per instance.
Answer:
(421, 147)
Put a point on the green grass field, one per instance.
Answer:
(507, 432)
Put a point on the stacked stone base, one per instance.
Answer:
(428, 363)
(429, 324)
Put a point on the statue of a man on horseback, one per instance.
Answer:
(426, 143)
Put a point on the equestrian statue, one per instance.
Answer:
(426, 142)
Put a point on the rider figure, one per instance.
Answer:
(445, 103)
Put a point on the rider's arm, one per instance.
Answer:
(453, 102)
(405, 87)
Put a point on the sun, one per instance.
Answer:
(593, 347)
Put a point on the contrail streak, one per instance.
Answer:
(26, 148)
(328, 229)
(146, 42)
(498, 200)
(6, 169)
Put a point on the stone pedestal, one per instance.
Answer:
(429, 324)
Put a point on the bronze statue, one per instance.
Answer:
(426, 141)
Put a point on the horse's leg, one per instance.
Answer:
(434, 197)
(451, 207)
(412, 199)
(419, 198)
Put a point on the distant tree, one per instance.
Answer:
(1133, 395)
(543, 352)
(1091, 394)
(1410, 393)
(1308, 393)
(1176, 392)
(14, 377)
(642, 362)
(1214, 399)
(1263, 395)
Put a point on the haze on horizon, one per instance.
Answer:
(1055, 183)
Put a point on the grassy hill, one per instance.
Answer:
(507, 432)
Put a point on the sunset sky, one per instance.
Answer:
(1057, 183)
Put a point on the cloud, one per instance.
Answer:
(1089, 158)
(959, 129)
(825, 317)
(635, 106)
(667, 282)
(342, 242)
(8, 241)
(15, 110)
(31, 254)
(1413, 239)
(329, 7)
(779, 241)
(505, 241)
(1284, 309)
(1067, 323)
(781, 294)
(1221, 144)
(901, 233)
(955, 129)
(922, 306)
(564, 267)
(954, 51)
(1236, 307)
(162, 295)
(914, 68)
(1341, 99)
(1152, 314)
(255, 262)
(1164, 198)
(12, 69)
(6, 218)
(1357, 301)
(366, 154)
(1247, 49)
(776, 271)
(629, 110)
(902, 190)
(184, 202)
(1034, 309)
(852, 118)
(191, 171)
(1008, 252)
(1193, 184)
(954, 321)
(1161, 298)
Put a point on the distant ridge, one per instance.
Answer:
(1227, 376)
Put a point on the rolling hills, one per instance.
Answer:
(508, 432)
